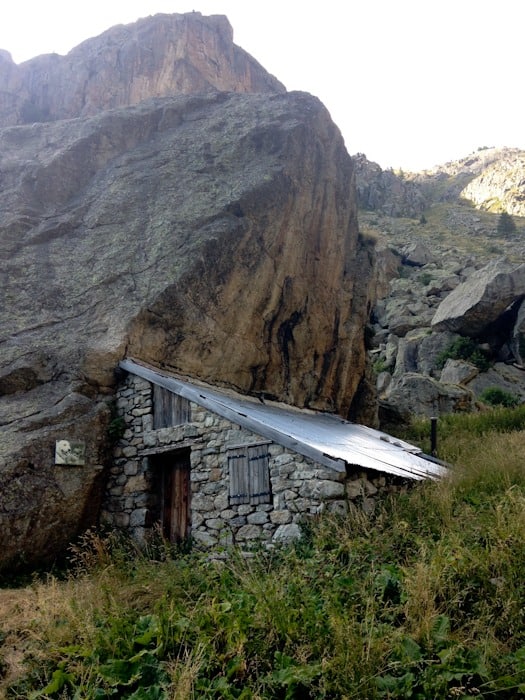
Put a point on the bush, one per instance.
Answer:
(494, 396)
(506, 223)
(464, 349)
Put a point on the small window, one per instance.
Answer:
(169, 409)
(249, 474)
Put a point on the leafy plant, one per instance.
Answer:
(380, 365)
(495, 396)
(464, 349)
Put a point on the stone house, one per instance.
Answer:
(225, 468)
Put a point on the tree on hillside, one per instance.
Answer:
(506, 223)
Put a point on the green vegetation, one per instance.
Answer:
(506, 223)
(494, 396)
(425, 278)
(422, 599)
(464, 349)
(380, 365)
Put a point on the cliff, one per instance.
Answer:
(155, 57)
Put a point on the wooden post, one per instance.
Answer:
(433, 436)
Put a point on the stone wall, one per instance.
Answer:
(299, 486)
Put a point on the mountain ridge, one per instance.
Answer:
(492, 179)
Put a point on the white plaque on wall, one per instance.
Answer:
(67, 452)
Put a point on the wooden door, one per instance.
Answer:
(175, 495)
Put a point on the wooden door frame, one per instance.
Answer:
(174, 469)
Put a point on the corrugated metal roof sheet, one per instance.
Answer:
(326, 438)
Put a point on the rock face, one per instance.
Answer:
(493, 179)
(154, 57)
(214, 234)
(383, 190)
(501, 184)
(481, 299)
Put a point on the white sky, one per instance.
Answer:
(411, 83)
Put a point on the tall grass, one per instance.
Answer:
(421, 599)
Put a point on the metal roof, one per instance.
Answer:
(326, 438)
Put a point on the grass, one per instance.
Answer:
(449, 226)
(421, 599)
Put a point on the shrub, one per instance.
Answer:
(495, 396)
(380, 365)
(464, 349)
(506, 223)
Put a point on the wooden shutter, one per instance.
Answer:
(259, 469)
(249, 474)
(239, 475)
(169, 409)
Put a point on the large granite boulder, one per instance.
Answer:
(420, 395)
(479, 301)
(214, 234)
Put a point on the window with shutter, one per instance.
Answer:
(249, 474)
(169, 409)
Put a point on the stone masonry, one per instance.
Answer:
(299, 486)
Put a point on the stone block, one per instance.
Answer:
(354, 489)
(196, 519)
(129, 451)
(228, 514)
(280, 517)
(283, 459)
(131, 468)
(136, 484)
(281, 484)
(204, 538)
(198, 475)
(221, 501)
(244, 509)
(322, 489)
(257, 518)
(248, 532)
(337, 507)
(136, 412)
(369, 488)
(150, 439)
(202, 503)
(121, 519)
(287, 533)
(138, 517)
(214, 523)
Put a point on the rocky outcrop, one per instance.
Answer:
(215, 235)
(482, 299)
(492, 179)
(155, 57)
(417, 370)
(385, 191)
(500, 186)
